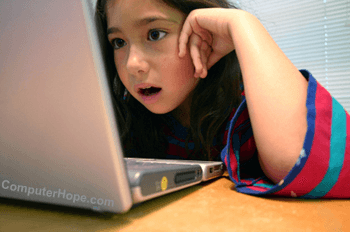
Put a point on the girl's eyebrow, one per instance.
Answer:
(143, 22)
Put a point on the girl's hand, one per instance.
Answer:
(207, 31)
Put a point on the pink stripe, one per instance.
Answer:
(258, 188)
(342, 188)
(225, 131)
(224, 142)
(233, 163)
(247, 182)
(242, 117)
(247, 150)
(317, 164)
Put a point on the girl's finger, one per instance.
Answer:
(205, 52)
(195, 51)
(183, 39)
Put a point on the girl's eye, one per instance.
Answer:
(118, 43)
(155, 35)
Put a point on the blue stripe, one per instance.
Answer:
(337, 152)
(311, 113)
(247, 190)
(247, 135)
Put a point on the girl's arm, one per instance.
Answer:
(274, 88)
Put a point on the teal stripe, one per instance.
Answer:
(264, 185)
(337, 152)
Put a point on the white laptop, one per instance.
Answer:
(59, 141)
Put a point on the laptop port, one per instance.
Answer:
(183, 177)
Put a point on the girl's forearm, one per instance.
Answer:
(276, 95)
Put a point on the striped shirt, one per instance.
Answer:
(322, 169)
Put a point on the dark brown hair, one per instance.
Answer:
(214, 98)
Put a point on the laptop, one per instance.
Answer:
(59, 142)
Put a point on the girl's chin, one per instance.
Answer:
(159, 108)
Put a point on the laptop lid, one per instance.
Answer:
(58, 138)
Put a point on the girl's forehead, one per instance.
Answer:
(121, 11)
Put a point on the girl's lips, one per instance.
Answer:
(148, 92)
(142, 86)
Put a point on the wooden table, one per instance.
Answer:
(213, 206)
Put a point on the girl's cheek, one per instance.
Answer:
(121, 70)
(119, 66)
(117, 59)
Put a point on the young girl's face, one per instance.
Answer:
(144, 34)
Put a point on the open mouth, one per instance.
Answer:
(149, 91)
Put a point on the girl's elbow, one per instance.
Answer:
(276, 165)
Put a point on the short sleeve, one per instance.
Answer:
(323, 167)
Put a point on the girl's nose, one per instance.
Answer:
(137, 62)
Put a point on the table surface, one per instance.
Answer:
(212, 206)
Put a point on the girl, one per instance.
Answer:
(177, 67)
